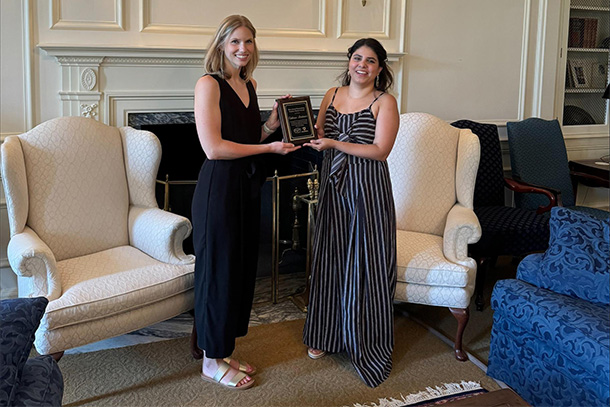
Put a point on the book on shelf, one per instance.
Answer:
(569, 76)
(582, 32)
(590, 33)
(576, 32)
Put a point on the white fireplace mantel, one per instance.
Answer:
(66, 54)
(109, 82)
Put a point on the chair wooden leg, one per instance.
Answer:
(462, 315)
(195, 351)
(57, 355)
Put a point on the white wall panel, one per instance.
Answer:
(12, 82)
(465, 58)
(86, 15)
(357, 20)
(278, 17)
(281, 24)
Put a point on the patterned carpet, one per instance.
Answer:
(163, 373)
(153, 367)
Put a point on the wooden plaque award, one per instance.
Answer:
(296, 119)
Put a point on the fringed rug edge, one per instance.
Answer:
(446, 389)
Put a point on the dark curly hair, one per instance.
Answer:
(386, 78)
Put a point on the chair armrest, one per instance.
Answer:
(159, 234)
(461, 228)
(29, 256)
(521, 186)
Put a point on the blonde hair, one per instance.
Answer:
(215, 59)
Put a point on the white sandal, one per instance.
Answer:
(233, 383)
(316, 353)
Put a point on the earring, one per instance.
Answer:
(377, 81)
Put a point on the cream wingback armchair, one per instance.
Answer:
(433, 167)
(86, 232)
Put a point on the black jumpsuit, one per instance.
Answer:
(226, 217)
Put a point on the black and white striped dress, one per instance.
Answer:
(353, 276)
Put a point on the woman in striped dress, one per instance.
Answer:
(353, 277)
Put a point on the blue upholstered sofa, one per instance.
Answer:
(25, 381)
(550, 339)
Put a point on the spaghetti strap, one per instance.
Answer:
(334, 94)
(375, 100)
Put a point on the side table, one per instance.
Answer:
(591, 173)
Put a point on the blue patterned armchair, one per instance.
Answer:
(550, 339)
(25, 381)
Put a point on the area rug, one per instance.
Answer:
(436, 396)
(164, 374)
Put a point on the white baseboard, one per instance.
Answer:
(7, 293)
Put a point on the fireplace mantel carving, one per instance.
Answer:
(159, 79)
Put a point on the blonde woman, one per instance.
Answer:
(226, 202)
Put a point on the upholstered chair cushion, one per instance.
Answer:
(510, 231)
(577, 262)
(420, 260)
(425, 149)
(106, 284)
(19, 319)
(112, 281)
(76, 184)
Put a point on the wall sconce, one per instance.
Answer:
(363, 3)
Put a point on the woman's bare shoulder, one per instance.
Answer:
(207, 80)
(387, 100)
(208, 85)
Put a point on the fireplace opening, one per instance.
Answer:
(181, 160)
